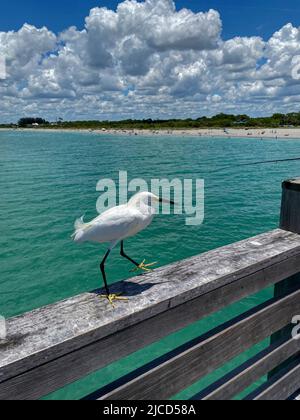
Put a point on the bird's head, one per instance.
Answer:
(147, 199)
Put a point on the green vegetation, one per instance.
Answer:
(218, 121)
(25, 122)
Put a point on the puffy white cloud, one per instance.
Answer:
(147, 59)
(242, 53)
(24, 49)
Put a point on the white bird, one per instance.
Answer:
(116, 225)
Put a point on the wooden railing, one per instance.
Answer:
(56, 345)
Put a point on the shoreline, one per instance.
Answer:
(267, 133)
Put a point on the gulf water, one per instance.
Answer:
(47, 180)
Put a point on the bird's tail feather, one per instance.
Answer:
(79, 224)
(79, 227)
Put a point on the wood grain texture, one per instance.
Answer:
(255, 368)
(211, 352)
(281, 387)
(84, 334)
(289, 221)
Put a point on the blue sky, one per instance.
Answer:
(78, 60)
(240, 17)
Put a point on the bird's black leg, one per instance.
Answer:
(142, 266)
(110, 297)
(126, 256)
(102, 268)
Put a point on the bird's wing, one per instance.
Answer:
(115, 224)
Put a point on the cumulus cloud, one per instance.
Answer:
(23, 49)
(147, 59)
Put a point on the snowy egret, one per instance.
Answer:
(117, 224)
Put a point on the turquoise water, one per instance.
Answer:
(47, 180)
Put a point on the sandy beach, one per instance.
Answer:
(268, 133)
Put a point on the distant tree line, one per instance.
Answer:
(25, 122)
(217, 121)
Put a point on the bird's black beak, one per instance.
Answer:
(161, 200)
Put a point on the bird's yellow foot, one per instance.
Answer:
(144, 267)
(113, 297)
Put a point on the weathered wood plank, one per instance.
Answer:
(211, 352)
(286, 286)
(289, 221)
(281, 386)
(295, 397)
(58, 344)
(241, 378)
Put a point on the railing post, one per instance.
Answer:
(290, 206)
(289, 221)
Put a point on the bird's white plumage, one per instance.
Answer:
(118, 223)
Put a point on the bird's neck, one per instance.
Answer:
(145, 209)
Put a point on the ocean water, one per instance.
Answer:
(47, 180)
